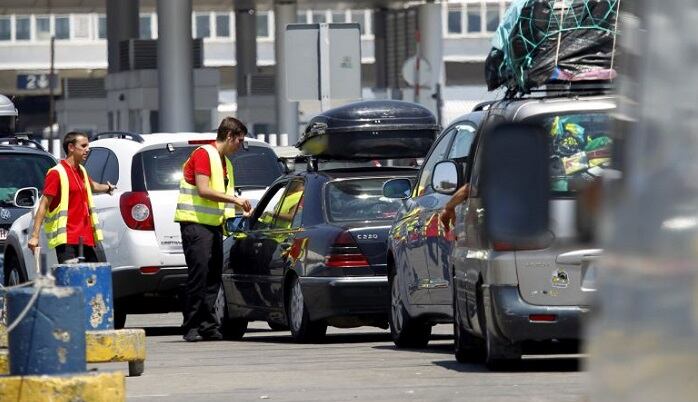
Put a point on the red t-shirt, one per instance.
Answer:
(78, 212)
(199, 163)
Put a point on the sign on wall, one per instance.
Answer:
(37, 81)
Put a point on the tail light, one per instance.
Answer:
(137, 211)
(345, 253)
(149, 270)
(542, 318)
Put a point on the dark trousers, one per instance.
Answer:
(203, 251)
(65, 252)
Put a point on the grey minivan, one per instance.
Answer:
(511, 296)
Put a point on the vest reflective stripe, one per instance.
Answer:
(193, 208)
(56, 221)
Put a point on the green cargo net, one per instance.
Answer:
(544, 40)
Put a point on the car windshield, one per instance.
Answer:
(33, 170)
(580, 148)
(359, 200)
(257, 167)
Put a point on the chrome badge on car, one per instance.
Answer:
(5, 214)
(370, 236)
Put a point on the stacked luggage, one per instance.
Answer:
(539, 41)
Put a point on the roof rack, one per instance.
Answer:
(118, 134)
(567, 88)
(483, 105)
(21, 139)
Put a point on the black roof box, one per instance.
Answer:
(374, 129)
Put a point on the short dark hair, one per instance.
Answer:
(230, 125)
(70, 138)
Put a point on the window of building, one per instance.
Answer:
(474, 18)
(223, 25)
(102, 27)
(203, 26)
(81, 26)
(302, 17)
(455, 19)
(42, 30)
(319, 17)
(62, 27)
(492, 17)
(263, 24)
(145, 29)
(5, 28)
(22, 28)
(339, 16)
(360, 17)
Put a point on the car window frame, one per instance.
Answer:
(450, 130)
(277, 210)
(264, 201)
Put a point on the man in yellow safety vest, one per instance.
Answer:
(206, 192)
(66, 207)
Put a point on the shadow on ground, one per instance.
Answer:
(533, 365)
(175, 330)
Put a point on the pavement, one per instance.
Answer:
(359, 364)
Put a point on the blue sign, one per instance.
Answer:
(38, 81)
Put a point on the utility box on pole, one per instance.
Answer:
(323, 62)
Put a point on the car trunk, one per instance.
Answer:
(562, 274)
(372, 241)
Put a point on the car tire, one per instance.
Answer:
(499, 354)
(406, 331)
(302, 329)
(232, 328)
(119, 317)
(467, 347)
(13, 271)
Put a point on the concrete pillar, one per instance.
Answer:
(380, 48)
(245, 43)
(122, 24)
(431, 49)
(175, 74)
(286, 111)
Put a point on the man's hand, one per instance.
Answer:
(33, 242)
(111, 188)
(448, 215)
(243, 203)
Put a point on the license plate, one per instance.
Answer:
(3, 234)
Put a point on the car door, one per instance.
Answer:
(420, 209)
(247, 273)
(439, 241)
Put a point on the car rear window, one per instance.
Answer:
(359, 200)
(33, 170)
(256, 167)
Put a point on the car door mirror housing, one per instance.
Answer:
(515, 184)
(237, 224)
(445, 178)
(397, 189)
(26, 197)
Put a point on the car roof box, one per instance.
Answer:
(375, 129)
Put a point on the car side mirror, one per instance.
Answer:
(445, 178)
(515, 184)
(397, 189)
(26, 197)
(237, 224)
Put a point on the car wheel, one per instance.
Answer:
(14, 274)
(499, 354)
(231, 328)
(302, 329)
(467, 347)
(406, 332)
(119, 317)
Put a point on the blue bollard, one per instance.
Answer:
(50, 339)
(95, 281)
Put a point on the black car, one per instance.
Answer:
(24, 164)
(313, 253)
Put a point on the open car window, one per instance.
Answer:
(269, 204)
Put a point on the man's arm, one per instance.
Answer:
(210, 194)
(98, 188)
(45, 201)
(448, 214)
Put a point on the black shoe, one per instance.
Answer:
(213, 335)
(192, 336)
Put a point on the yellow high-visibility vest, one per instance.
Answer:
(193, 208)
(56, 221)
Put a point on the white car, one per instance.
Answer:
(141, 240)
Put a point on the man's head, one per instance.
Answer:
(232, 132)
(76, 145)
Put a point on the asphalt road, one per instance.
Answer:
(351, 365)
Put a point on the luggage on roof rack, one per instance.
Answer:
(562, 40)
(375, 129)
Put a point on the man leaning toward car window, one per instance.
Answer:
(206, 191)
(66, 207)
